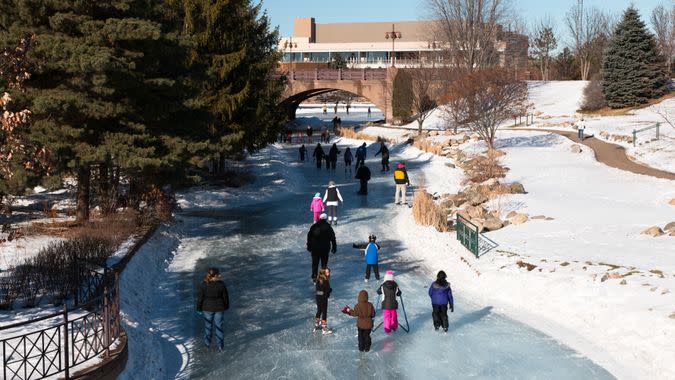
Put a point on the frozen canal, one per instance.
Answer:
(260, 249)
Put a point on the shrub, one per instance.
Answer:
(593, 99)
(482, 168)
(427, 212)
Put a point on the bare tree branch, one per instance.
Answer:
(663, 22)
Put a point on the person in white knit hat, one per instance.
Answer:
(390, 291)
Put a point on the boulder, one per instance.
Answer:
(575, 148)
(670, 227)
(672, 202)
(517, 188)
(519, 218)
(653, 231)
(476, 198)
(450, 165)
(538, 217)
(476, 212)
(492, 224)
(511, 214)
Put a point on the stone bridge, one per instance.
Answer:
(373, 84)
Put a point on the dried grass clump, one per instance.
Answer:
(428, 146)
(115, 227)
(483, 168)
(428, 213)
(350, 133)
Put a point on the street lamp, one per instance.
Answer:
(289, 44)
(393, 35)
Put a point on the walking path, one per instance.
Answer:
(609, 154)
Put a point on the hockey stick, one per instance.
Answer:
(405, 315)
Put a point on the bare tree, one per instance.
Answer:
(544, 43)
(468, 29)
(589, 29)
(425, 86)
(667, 115)
(484, 99)
(663, 22)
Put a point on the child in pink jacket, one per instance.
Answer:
(317, 206)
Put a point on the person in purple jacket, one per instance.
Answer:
(441, 297)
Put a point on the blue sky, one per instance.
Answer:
(282, 12)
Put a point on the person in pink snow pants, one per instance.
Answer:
(389, 289)
(317, 206)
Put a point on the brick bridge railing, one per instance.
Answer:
(336, 74)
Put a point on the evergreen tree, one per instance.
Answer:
(402, 99)
(337, 62)
(106, 90)
(632, 68)
(233, 58)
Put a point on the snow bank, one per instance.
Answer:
(556, 98)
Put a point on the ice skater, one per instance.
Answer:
(212, 301)
(365, 311)
(322, 292)
(441, 297)
(363, 175)
(317, 206)
(402, 181)
(318, 155)
(333, 156)
(389, 289)
(385, 156)
(303, 152)
(320, 242)
(371, 252)
(361, 154)
(348, 159)
(331, 199)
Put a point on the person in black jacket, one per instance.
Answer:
(385, 156)
(318, 155)
(322, 292)
(390, 291)
(212, 301)
(303, 152)
(363, 175)
(333, 155)
(320, 241)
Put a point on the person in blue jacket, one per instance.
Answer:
(441, 297)
(372, 253)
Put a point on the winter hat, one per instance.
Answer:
(400, 166)
(372, 237)
(323, 216)
(389, 276)
(317, 195)
(331, 183)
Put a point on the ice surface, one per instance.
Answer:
(260, 249)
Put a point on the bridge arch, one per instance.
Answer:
(373, 85)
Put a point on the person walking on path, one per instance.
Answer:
(348, 159)
(317, 206)
(333, 155)
(385, 156)
(320, 242)
(212, 301)
(363, 175)
(441, 297)
(318, 155)
(365, 312)
(390, 291)
(372, 254)
(401, 179)
(325, 109)
(303, 152)
(361, 155)
(331, 199)
(322, 292)
(368, 112)
(325, 137)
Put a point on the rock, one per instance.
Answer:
(517, 188)
(604, 134)
(549, 218)
(519, 218)
(653, 231)
(575, 148)
(670, 227)
(604, 277)
(450, 165)
(672, 315)
(623, 282)
(492, 224)
(672, 233)
(490, 182)
(615, 275)
(476, 212)
(672, 202)
(476, 198)
(538, 217)
(511, 214)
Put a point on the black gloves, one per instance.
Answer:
(452, 308)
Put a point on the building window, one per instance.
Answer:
(319, 57)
